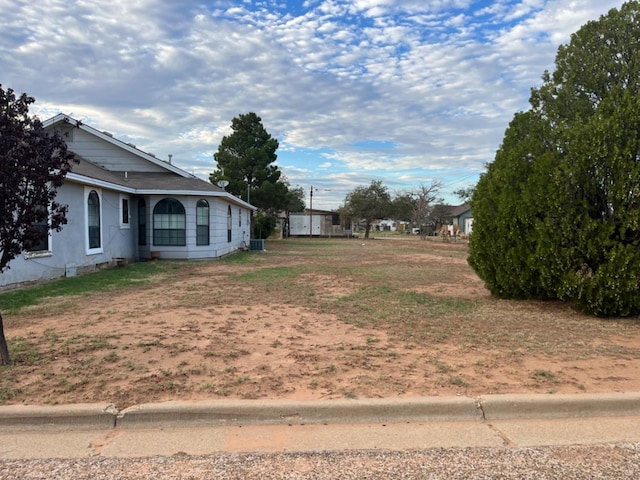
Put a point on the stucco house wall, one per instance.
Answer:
(125, 178)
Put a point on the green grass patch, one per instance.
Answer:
(85, 343)
(24, 352)
(459, 382)
(9, 393)
(104, 280)
(111, 357)
(386, 303)
(242, 258)
(544, 375)
(411, 316)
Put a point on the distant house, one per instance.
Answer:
(385, 225)
(461, 215)
(127, 204)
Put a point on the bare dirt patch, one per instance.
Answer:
(313, 319)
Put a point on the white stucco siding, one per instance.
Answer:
(68, 247)
(107, 155)
(118, 240)
(199, 251)
(218, 233)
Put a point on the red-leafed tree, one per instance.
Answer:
(33, 165)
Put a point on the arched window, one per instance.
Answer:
(202, 222)
(229, 224)
(93, 220)
(169, 223)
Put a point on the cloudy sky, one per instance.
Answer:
(403, 91)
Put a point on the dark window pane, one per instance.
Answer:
(125, 210)
(169, 223)
(142, 222)
(93, 204)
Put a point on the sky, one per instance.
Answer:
(407, 92)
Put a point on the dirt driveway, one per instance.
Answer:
(312, 319)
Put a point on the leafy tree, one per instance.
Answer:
(245, 159)
(263, 225)
(368, 203)
(557, 215)
(402, 207)
(295, 200)
(33, 164)
(464, 194)
(506, 207)
(291, 200)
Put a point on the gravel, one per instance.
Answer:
(577, 462)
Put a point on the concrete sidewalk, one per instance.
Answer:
(224, 426)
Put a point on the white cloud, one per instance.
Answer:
(440, 80)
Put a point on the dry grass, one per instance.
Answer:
(312, 319)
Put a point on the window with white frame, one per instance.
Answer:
(40, 237)
(125, 212)
(169, 223)
(93, 216)
(202, 222)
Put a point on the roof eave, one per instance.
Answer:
(74, 177)
(210, 193)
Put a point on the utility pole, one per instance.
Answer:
(311, 212)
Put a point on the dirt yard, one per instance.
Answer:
(313, 319)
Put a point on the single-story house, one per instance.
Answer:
(126, 204)
(462, 216)
(385, 225)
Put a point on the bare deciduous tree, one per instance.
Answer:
(425, 197)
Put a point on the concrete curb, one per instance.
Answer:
(342, 411)
(284, 412)
(508, 406)
(79, 415)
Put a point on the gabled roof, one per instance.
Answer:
(172, 180)
(456, 211)
(106, 136)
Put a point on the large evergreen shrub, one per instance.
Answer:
(557, 214)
